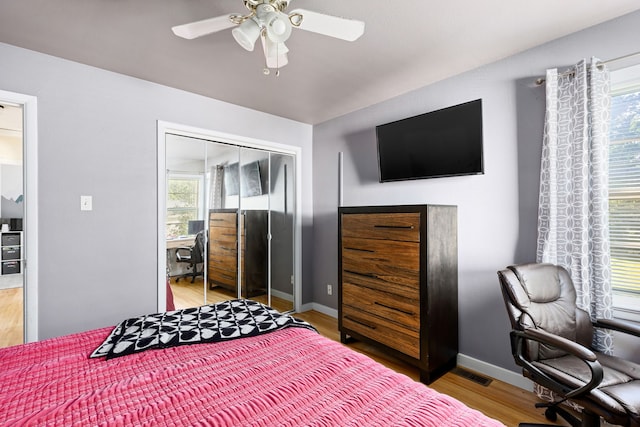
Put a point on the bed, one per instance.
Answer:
(281, 374)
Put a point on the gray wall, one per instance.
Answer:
(97, 136)
(497, 211)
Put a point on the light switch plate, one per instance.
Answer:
(86, 203)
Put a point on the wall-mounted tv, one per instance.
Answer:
(441, 143)
(246, 179)
(195, 226)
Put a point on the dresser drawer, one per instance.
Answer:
(223, 234)
(388, 226)
(226, 261)
(222, 219)
(392, 261)
(224, 277)
(221, 247)
(381, 330)
(402, 310)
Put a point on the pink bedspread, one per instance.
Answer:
(292, 377)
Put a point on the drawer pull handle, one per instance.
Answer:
(359, 322)
(370, 275)
(360, 250)
(400, 227)
(410, 313)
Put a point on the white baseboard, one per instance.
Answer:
(282, 295)
(464, 361)
(320, 308)
(494, 371)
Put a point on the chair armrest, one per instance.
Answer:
(180, 253)
(561, 343)
(587, 356)
(618, 325)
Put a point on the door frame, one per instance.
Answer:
(164, 128)
(29, 105)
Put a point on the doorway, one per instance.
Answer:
(18, 213)
(240, 197)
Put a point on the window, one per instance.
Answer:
(624, 191)
(184, 201)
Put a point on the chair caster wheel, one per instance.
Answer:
(551, 414)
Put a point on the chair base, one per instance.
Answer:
(193, 274)
(552, 412)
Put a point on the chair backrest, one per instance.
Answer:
(198, 248)
(543, 296)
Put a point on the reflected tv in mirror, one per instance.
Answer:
(440, 143)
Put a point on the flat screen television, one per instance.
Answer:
(248, 183)
(441, 143)
(195, 226)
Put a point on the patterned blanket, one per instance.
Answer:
(209, 323)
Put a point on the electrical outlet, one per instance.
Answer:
(329, 289)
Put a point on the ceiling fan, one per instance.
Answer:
(268, 20)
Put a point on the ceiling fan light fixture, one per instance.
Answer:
(246, 34)
(274, 49)
(278, 27)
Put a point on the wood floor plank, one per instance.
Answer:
(11, 317)
(187, 294)
(509, 404)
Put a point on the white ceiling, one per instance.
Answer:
(407, 44)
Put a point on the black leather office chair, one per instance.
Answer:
(193, 255)
(551, 340)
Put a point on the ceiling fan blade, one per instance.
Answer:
(341, 28)
(196, 29)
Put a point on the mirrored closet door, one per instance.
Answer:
(230, 223)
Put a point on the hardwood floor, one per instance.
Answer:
(504, 402)
(11, 317)
(187, 294)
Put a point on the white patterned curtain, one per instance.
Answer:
(215, 187)
(573, 220)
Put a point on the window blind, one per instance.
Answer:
(624, 190)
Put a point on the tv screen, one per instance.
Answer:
(195, 226)
(250, 179)
(441, 143)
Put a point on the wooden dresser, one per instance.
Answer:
(398, 282)
(223, 250)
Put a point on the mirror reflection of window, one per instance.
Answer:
(184, 198)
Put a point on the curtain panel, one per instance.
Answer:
(573, 223)
(216, 177)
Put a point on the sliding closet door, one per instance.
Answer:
(222, 221)
(253, 225)
(282, 223)
(186, 202)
